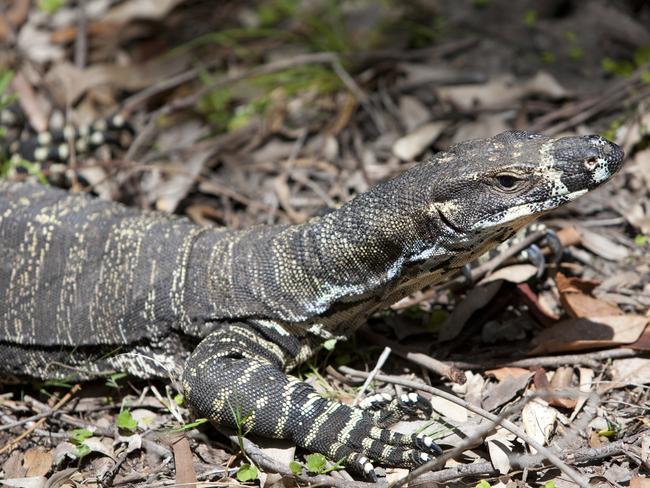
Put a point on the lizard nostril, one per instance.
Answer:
(591, 162)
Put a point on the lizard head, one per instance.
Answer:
(495, 186)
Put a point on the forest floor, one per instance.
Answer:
(267, 112)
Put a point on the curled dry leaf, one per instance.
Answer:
(502, 373)
(484, 126)
(413, 112)
(28, 482)
(561, 381)
(629, 371)
(413, 144)
(539, 421)
(601, 245)
(586, 379)
(578, 302)
(37, 461)
(502, 91)
(502, 392)
(542, 306)
(640, 482)
(517, 273)
(500, 448)
(581, 333)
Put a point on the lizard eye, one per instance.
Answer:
(507, 181)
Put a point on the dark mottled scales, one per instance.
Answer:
(88, 286)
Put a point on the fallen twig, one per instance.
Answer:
(14, 442)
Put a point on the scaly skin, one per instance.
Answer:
(82, 278)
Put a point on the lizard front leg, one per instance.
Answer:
(236, 375)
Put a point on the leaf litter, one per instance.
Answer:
(281, 143)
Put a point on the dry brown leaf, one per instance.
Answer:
(640, 482)
(562, 381)
(601, 245)
(502, 392)
(585, 382)
(517, 273)
(69, 82)
(37, 461)
(568, 236)
(502, 373)
(30, 482)
(69, 33)
(500, 448)
(449, 409)
(413, 144)
(643, 342)
(412, 112)
(484, 126)
(629, 371)
(576, 301)
(140, 10)
(539, 421)
(541, 306)
(502, 91)
(184, 462)
(580, 333)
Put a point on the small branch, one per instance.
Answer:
(14, 442)
(81, 42)
(590, 359)
(375, 371)
(269, 464)
(264, 69)
(440, 368)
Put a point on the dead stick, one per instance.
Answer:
(13, 442)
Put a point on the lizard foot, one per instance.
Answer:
(353, 437)
(386, 409)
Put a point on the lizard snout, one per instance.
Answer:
(604, 159)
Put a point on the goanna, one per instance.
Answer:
(89, 286)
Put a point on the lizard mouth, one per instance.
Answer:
(526, 211)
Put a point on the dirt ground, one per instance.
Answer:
(272, 111)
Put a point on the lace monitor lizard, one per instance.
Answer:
(18, 140)
(82, 278)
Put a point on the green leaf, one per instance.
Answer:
(330, 344)
(78, 436)
(316, 463)
(112, 380)
(576, 53)
(548, 57)
(190, 426)
(179, 399)
(642, 55)
(50, 6)
(5, 79)
(641, 240)
(549, 484)
(295, 467)
(246, 473)
(607, 432)
(530, 18)
(81, 451)
(126, 421)
(483, 484)
(645, 77)
(436, 318)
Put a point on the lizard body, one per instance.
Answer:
(88, 286)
